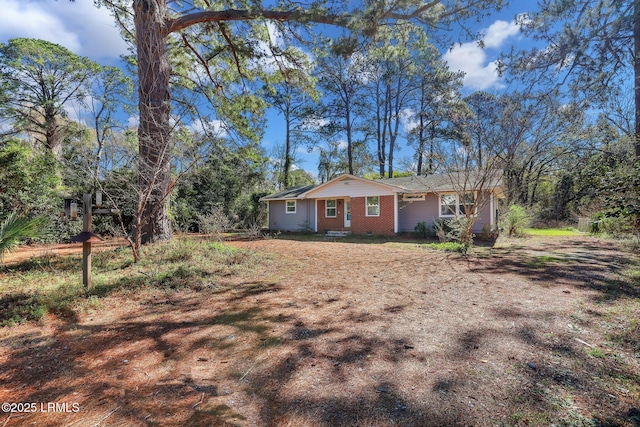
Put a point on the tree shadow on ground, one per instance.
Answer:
(104, 359)
(594, 267)
(560, 370)
(195, 357)
(404, 238)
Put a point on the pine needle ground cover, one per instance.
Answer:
(533, 331)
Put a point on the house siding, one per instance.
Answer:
(302, 220)
(379, 225)
(411, 213)
(396, 215)
(325, 224)
(428, 210)
(484, 217)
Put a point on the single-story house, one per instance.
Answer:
(383, 206)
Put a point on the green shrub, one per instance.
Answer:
(515, 220)
(615, 226)
(457, 230)
(14, 229)
(449, 247)
(487, 233)
(441, 229)
(423, 230)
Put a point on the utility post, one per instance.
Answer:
(87, 237)
(86, 245)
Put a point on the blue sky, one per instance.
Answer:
(89, 31)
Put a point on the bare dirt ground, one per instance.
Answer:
(24, 253)
(332, 334)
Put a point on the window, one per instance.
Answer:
(413, 197)
(291, 206)
(468, 202)
(373, 206)
(448, 205)
(330, 209)
(456, 205)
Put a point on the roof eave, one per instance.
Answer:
(394, 188)
(267, 198)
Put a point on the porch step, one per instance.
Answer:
(336, 233)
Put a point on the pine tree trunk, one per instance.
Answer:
(349, 136)
(153, 132)
(421, 143)
(636, 72)
(380, 135)
(287, 150)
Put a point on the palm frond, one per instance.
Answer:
(14, 229)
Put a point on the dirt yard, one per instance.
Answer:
(531, 332)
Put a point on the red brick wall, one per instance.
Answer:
(380, 225)
(336, 223)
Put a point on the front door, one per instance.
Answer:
(347, 213)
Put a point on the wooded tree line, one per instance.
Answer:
(353, 100)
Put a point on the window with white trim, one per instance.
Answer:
(330, 209)
(373, 206)
(455, 205)
(467, 203)
(448, 205)
(413, 197)
(291, 206)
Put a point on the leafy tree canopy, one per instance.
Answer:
(593, 46)
(37, 79)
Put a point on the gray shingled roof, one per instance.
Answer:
(290, 193)
(412, 184)
(444, 182)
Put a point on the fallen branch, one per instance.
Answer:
(7, 420)
(106, 416)
(200, 402)
(246, 373)
(585, 343)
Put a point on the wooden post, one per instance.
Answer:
(86, 246)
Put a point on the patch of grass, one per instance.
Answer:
(539, 260)
(447, 247)
(53, 285)
(552, 232)
(633, 273)
(223, 412)
(622, 326)
(597, 353)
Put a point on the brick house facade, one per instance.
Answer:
(328, 223)
(402, 203)
(383, 224)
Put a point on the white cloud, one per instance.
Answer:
(73, 111)
(270, 62)
(5, 125)
(499, 32)
(408, 119)
(79, 26)
(133, 121)
(215, 127)
(480, 73)
(315, 123)
(471, 59)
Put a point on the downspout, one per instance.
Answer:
(268, 216)
(492, 212)
(395, 213)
